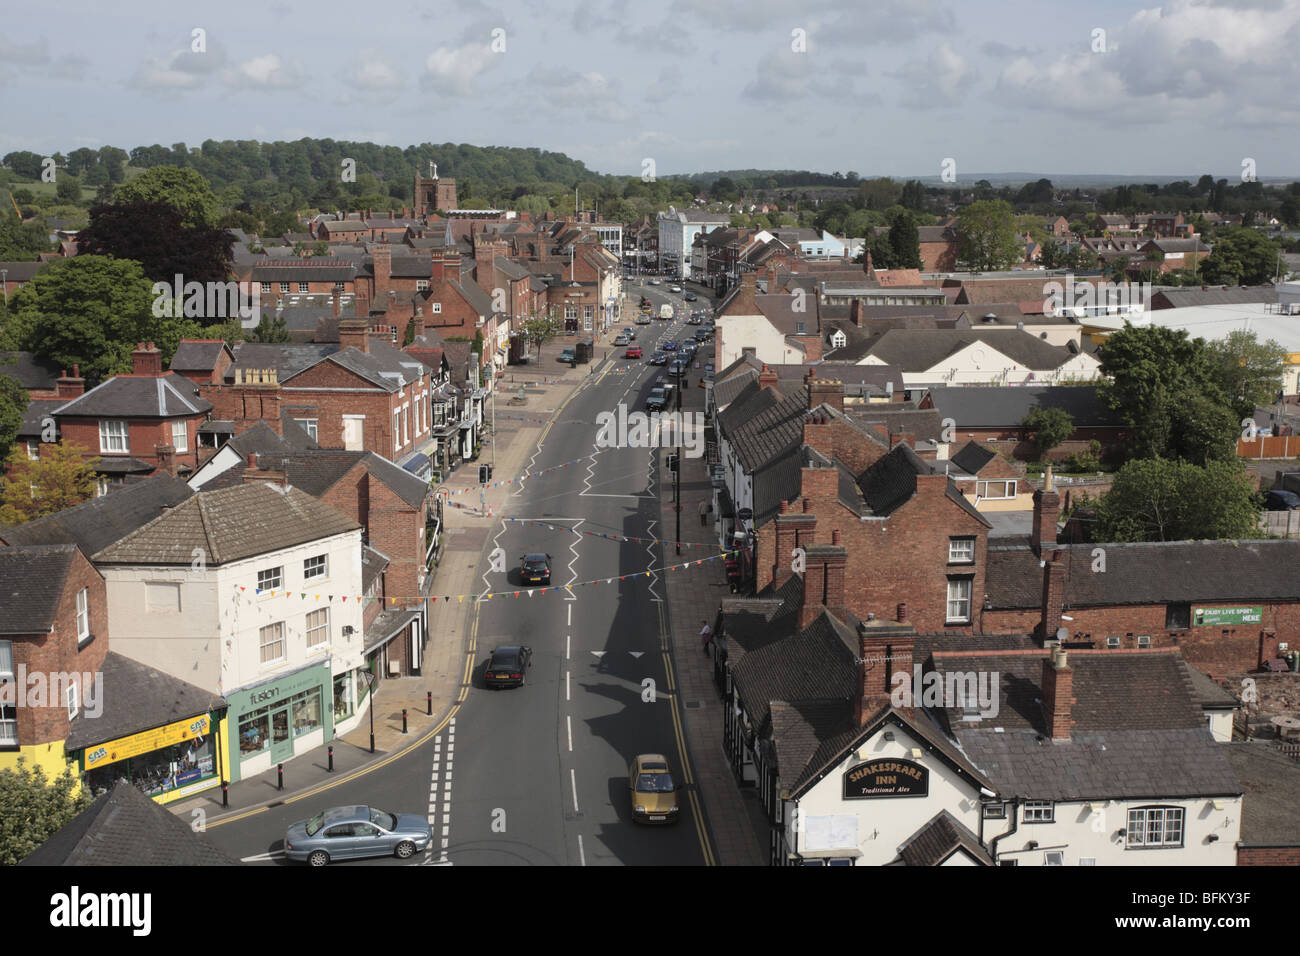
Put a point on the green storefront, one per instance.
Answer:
(273, 722)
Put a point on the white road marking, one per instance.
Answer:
(566, 685)
(263, 857)
(573, 779)
(582, 857)
(599, 653)
(569, 722)
(636, 653)
(566, 646)
(570, 618)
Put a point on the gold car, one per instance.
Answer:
(654, 795)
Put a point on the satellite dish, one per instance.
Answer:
(1062, 633)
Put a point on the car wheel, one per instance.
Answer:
(404, 850)
(318, 858)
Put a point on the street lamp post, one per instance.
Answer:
(677, 475)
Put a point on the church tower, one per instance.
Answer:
(432, 193)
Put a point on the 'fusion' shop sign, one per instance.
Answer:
(886, 778)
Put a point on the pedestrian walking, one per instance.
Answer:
(704, 512)
(706, 636)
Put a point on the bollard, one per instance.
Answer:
(225, 794)
(331, 752)
(403, 720)
(279, 771)
(428, 698)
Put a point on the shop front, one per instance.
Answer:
(281, 718)
(166, 763)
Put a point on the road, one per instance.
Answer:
(538, 774)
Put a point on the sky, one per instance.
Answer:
(885, 87)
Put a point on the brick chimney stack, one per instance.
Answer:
(70, 386)
(823, 581)
(1053, 605)
(146, 361)
(1058, 694)
(382, 254)
(818, 433)
(823, 391)
(1047, 509)
(883, 651)
(792, 531)
(354, 333)
(166, 455)
(767, 378)
(902, 438)
(271, 476)
(855, 313)
(336, 297)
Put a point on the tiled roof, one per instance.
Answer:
(1006, 407)
(972, 457)
(1154, 573)
(97, 523)
(21, 271)
(941, 837)
(726, 389)
(28, 370)
(230, 524)
(373, 564)
(31, 586)
(918, 350)
(1269, 781)
(195, 356)
(314, 269)
(891, 481)
(138, 396)
(138, 698)
(123, 827)
(1002, 290)
(33, 423)
(1215, 295)
(924, 424)
(767, 432)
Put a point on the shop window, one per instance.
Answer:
(344, 700)
(306, 711)
(254, 733)
(165, 769)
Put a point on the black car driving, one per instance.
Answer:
(508, 666)
(535, 569)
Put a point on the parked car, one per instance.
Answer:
(633, 351)
(568, 355)
(621, 339)
(643, 318)
(345, 833)
(508, 666)
(659, 358)
(677, 369)
(630, 332)
(1281, 500)
(535, 569)
(692, 297)
(653, 792)
(703, 335)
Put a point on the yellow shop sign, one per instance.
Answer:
(148, 741)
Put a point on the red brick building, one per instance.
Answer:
(138, 423)
(53, 639)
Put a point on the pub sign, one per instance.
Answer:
(886, 778)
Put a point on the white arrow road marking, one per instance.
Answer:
(262, 857)
(599, 653)
(636, 653)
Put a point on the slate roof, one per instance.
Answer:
(138, 396)
(137, 698)
(727, 389)
(230, 524)
(891, 481)
(1002, 290)
(28, 370)
(21, 271)
(1269, 782)
(317, 470)
(31, 586)
(1135, 731)
(192, 356)
(799, 728)
(918, 350)
(1170, 572)
(373, 564)
(972, 457)
(1006, 407)
(34, 417)
(925, 424)
(384, 366)
(1182, 298)
(768, 431)
(95, 524)
(123, 827)
(941, 837)
(313, 269)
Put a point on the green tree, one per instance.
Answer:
(13, 405)
(19, 241)
(89, 311)
(1050, 427)
(32, 489)
(1249, 371)
(185, 189)
(1160, 500)
(540, 329)
(152, 233)
(35, 808)
(904, 240)
(988, 235)
(68, 188)
(1241, 256)
(1166, 387)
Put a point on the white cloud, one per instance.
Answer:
(590, 93)
(181, 69)
(373, 74)
(941, 79)
(267, 71)
(453, 69)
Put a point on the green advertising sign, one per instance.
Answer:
(1219, 616)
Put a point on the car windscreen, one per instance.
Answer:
(505, 660)
(315, 823)
(386, 821)
(654, 783)
(535, 564)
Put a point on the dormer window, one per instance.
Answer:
(839, 339)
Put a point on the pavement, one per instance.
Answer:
(430, 698)
(736, 816)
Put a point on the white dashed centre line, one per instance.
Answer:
(569, 721)
(573, 781)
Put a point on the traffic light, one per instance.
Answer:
(483, 474)
(489, 468)
(672, 462)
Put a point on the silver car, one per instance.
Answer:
(345, 833)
